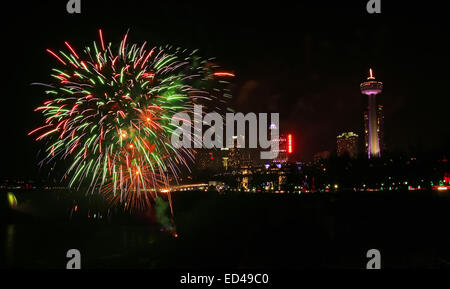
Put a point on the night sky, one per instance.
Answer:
(304, 61)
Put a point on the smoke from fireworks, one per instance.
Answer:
(110, 111)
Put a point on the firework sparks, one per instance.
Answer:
(110, 114)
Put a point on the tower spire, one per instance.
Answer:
(370, 74)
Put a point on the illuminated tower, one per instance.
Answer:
(371, 88)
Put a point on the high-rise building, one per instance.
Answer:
(238, 157)
(208, 159)
(282, 149)
(380, 122)
(347, 144)
(373, 123)
(285, 145)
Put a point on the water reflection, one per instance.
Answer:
(9, 244)
(29, 245)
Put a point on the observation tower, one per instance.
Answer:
(372, 88)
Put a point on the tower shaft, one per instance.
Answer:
(374, 142)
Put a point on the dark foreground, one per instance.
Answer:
(410, 229)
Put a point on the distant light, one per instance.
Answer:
(279, 166)
(442, 188)
(12, 200)
(266, 166)
(289, 143)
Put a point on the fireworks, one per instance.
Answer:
(110, 115)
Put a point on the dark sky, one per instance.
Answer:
(302, 60)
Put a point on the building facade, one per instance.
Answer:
(347, 144)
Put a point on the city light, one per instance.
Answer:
(289, 143)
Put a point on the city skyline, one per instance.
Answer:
(315, 90)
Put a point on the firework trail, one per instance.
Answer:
(110, 113)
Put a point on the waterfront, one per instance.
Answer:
(237, 230)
